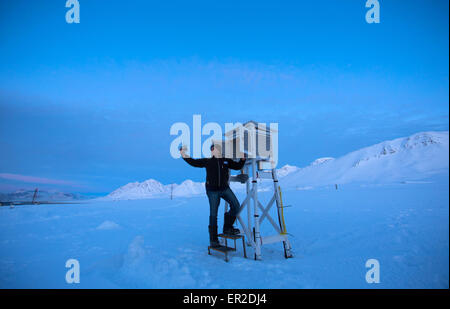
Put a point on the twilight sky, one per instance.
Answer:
(88, 107)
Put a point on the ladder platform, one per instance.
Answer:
(222, 249)
(225, 249)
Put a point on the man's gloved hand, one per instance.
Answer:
(242, 178)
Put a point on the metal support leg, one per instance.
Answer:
(256, 215)
(249, 211)
(286, 244)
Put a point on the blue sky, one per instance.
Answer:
(88, 107)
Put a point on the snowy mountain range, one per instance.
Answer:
(412, 158)
(152, 188)
(42, 195)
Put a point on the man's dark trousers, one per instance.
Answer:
(214, 202)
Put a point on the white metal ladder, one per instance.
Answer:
(252, 231)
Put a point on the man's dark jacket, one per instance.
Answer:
(217, 170)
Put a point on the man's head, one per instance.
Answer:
(216, 150)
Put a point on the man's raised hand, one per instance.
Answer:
(183, 152)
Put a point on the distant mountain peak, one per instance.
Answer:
(424, 139)
(321, 161)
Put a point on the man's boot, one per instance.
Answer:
(228, 221)
(213, 239)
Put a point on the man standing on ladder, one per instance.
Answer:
(217, 174)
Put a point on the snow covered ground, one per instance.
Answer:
(162, 243)
(392, 204)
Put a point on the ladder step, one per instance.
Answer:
(274, 238)
(223, 249)
(230, 236)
